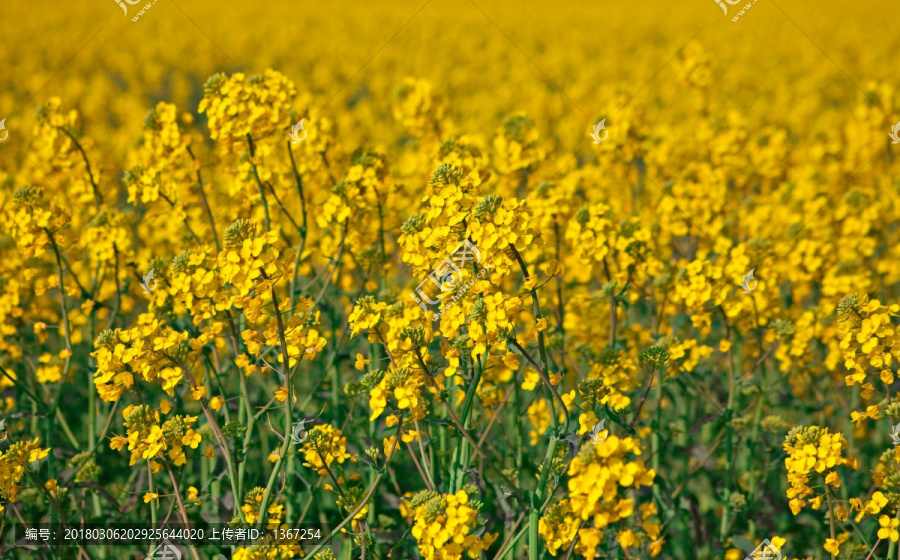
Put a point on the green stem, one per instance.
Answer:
(153, 506)
(830, 514)
(368, 495)
(67, 430)
(465, 433)
(287, 410)
(534, 515)
(262, 192)
(51, 467)
(304, 230)
(460, 456)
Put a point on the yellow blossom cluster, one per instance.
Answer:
(599, 475)
(445, 526)
(813, 452)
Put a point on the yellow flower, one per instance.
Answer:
(530, 380)
(872, 506)
(511, 360)
(177, 456)
(626, 539)
(281, 394)
(361, 362)
(191, 438)
(37, 454)
(49, 374)
(150, 496)
(216, 403)
(888, 528)
(117, 442)
(832, 546)
(873, 412)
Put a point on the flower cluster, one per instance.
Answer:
(598, 475)
(813, 452)
(446, 526)
(148, 439)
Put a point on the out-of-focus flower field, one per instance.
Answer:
(185, 293)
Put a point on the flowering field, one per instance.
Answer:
(451, 279)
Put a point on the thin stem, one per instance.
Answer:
(640, 405)
(429, 469)
(574, 541)
(262, 192)
(831, 514)
(337, 265)
(184, 221)
(115, 312)
(425, 478)
(612, 308)
(303, 227)
(455, 419)
(511, 540)
(98, 199)
(181, 507)
(546, 380)
(287, 408)
(542, 348)
(51, 468)
(873, 549)
(534, 515)
(150, 487)
(220, 439)
(209, 215)
(368, 495)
